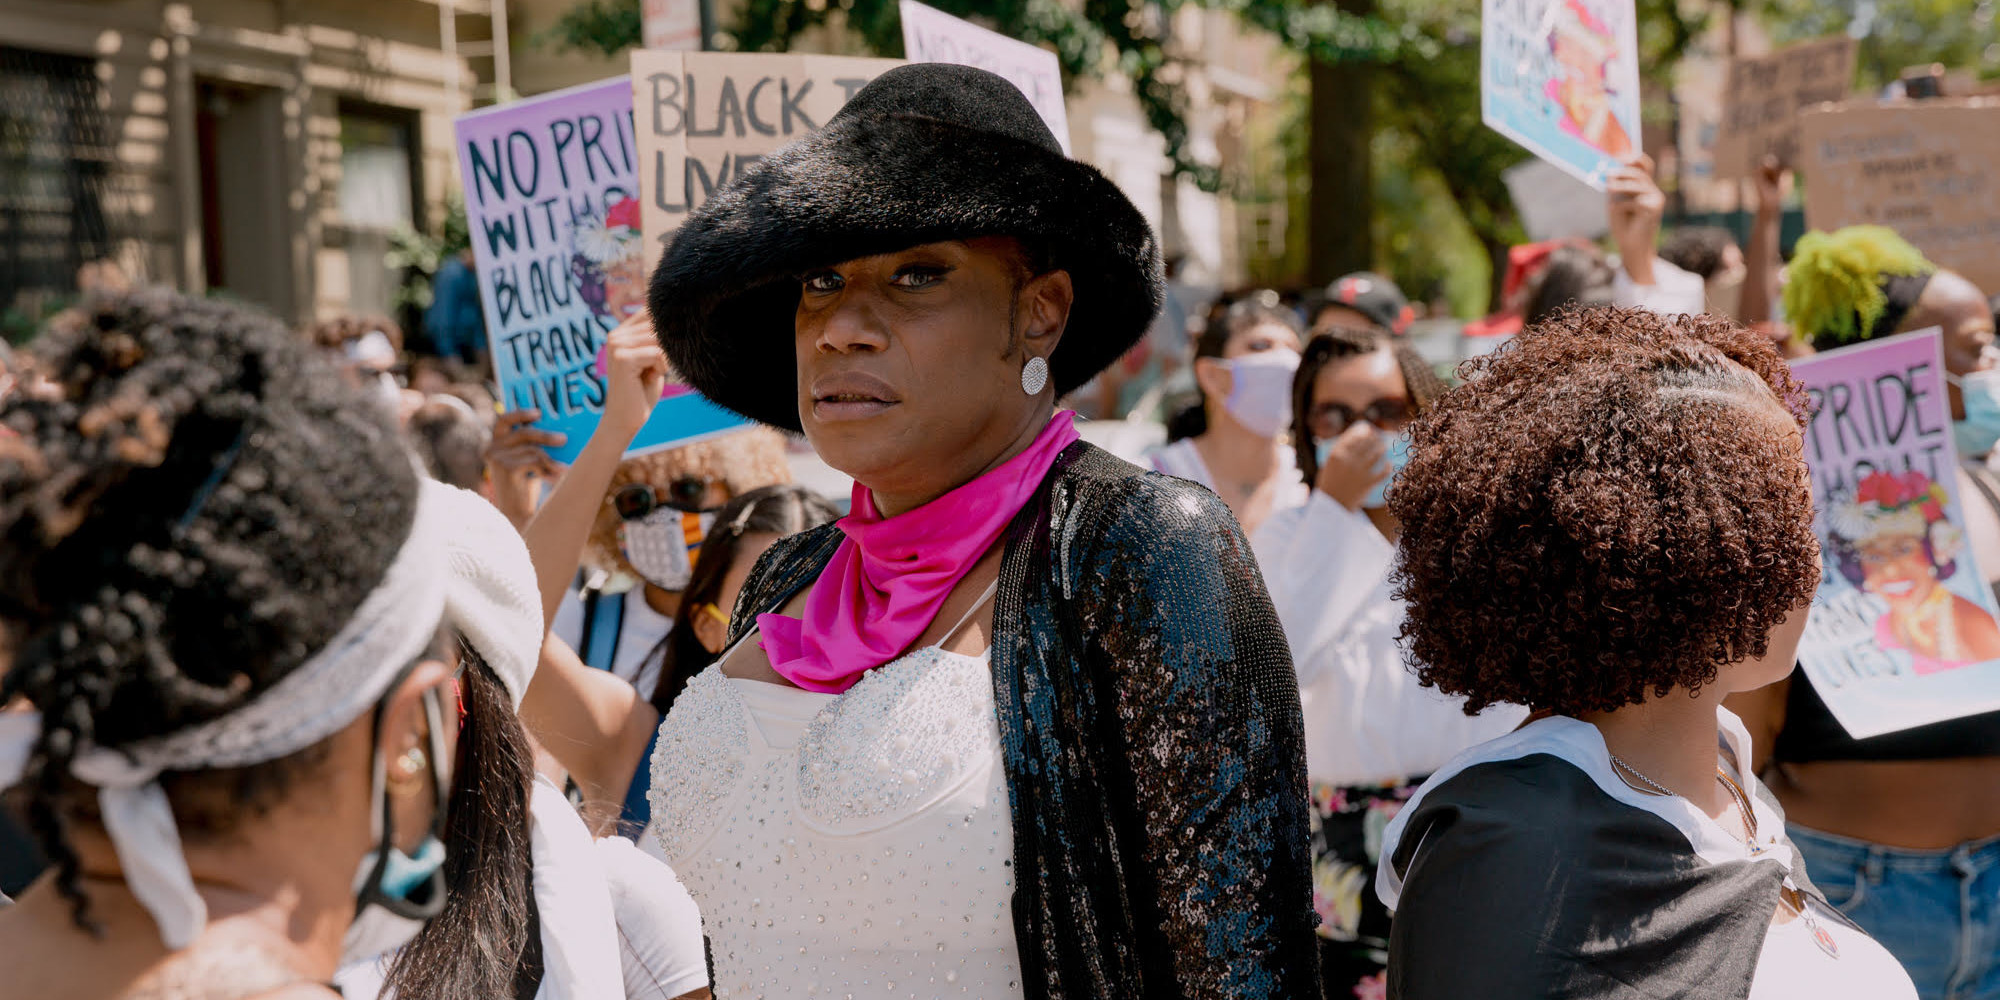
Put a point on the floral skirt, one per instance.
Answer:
(1347, 825)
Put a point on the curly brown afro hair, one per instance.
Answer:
(1614, 505)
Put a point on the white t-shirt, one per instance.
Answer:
(1793, 966)
(1673, 290)
(641, 629)
(610, 917)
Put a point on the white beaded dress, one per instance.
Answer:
(854, 846)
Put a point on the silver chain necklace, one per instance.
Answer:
(1650, 785)
(1788, 895)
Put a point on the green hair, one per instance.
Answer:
(1834, 292)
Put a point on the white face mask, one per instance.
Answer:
(661, 545)
(1260, 397)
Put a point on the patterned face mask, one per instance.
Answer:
(661, 546)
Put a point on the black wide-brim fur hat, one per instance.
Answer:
(926, 153)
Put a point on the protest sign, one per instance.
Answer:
(931, 35)
(1552, 204)
(1923, 168)
(552, 202)
(705, 118)
(1561, 77)
(1761, 104)
(1904, 630)
(670, 24)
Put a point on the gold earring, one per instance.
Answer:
(409, 765)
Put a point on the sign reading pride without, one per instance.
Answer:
(1904, 630)
(552, 199)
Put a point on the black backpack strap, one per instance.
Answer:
(603, 628)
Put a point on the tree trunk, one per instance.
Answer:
(1496, 251)
(1342, 199)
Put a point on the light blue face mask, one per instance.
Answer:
(387, 877)
(1980, 430)
(405, 872)
(1397, 455)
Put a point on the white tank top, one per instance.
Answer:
(851, 845)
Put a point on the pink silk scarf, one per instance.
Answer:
(891, 575)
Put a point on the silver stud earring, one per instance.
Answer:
(1035, 376)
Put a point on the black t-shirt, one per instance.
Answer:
(1811, 733)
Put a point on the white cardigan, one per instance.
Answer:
(1367, 719)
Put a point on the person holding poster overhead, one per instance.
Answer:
(1024, 723)
(1611, 523)
(1902, 830)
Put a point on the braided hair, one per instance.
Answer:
(190, 506)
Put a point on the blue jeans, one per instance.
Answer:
(1938, 912)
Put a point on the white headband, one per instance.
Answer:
(453, 566)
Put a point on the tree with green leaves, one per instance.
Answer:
(1391, 117)
(1131, 38)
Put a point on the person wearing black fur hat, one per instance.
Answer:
(1024, 724)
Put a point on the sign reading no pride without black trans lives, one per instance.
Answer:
(553, 202)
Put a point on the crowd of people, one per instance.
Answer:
(322, 678)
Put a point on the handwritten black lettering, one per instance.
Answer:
(667, 97)
(789, 105)
(516, 141)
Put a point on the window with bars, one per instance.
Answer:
(55, 161)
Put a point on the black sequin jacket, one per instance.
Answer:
(1150, 725)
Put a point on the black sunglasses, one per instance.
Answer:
(1328, 420)
(636, 500)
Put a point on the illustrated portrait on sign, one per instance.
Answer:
(1584, 48)
(1892, 539)
(607, 258)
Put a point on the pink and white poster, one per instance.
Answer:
(1904, 630)
(1561, 78)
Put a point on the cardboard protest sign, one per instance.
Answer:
(1761, 104)
(1904, 630)
(706, 118)
(1926, 169)
(552, 201)
(1561, 77)
(931, 35)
